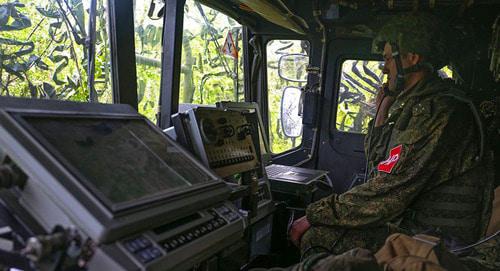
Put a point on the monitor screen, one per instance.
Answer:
(119, 159)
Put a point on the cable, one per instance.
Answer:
(290, 221)
(90, 46)
(458, 250)
(330, 183)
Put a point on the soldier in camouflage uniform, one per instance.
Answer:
(484, 257)
(428, 169)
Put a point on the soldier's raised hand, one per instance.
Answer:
(383, 103)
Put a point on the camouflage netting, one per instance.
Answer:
(423, 34)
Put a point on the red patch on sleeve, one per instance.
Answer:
(388, 164)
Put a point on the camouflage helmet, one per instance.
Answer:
(422, 34)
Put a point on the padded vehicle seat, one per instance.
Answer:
(494, 225)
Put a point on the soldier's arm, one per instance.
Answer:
(375, 126)
(423, 147)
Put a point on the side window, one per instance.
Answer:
(359, 83)
(279, 80)
(148, 36)
(43, 53)
(212, 57)
(446, 72)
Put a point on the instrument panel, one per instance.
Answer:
(226, 143)
(141, 200)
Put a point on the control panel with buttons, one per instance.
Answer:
(142, 248)
(184, 235)
(223, 140)
(217, 221)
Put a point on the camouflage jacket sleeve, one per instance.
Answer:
(424, 139)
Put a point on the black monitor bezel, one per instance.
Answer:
(114, 208)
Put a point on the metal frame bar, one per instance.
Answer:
(122, 42)
(171, 61)
(247, 64)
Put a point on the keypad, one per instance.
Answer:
(230, 161)
(137, 244)
(227, 213)
(143, 249)
(192, 234)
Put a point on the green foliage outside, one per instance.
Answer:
(43, 52)
(207, 74)
(275, 86)
(44, 55)
(148, 48)
(359, 83)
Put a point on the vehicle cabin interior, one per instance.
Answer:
(190, 134)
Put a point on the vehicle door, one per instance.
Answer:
(353, 76)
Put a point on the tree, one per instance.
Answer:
(43, 53)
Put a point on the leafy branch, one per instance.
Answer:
(46, 60)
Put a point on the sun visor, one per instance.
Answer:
(278, 13)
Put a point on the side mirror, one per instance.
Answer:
(293, 67)
(291, 112)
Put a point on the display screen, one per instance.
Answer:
(121, 159)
